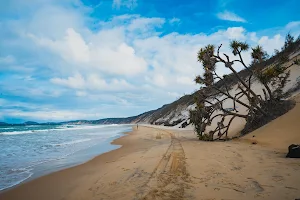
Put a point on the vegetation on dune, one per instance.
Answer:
(261, 107)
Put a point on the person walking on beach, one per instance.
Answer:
(137, 126)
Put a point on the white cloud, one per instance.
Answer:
(81, 93)
(131, 4)
(294, 24)
(145, 23)
(253, 37)
(236, 33)
(229, 16)
(174, 20)
(72, 47)
(7, 59)
(271, 43)
(185, 80)
(113, 58)
(76, 82)
(174, 55)
(92, 82)
(159, 80)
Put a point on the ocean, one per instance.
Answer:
(27, 152)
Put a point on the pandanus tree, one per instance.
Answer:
(216, 90)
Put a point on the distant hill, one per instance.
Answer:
(125, 120)
(30, 123)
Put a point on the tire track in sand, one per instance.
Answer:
(170, 178)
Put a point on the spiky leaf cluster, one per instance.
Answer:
(269, 75)
(206, 57)
(237, 47)
(258, 54)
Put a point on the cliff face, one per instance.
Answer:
(170, 114)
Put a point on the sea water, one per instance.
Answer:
(27, 152)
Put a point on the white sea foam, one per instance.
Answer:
(6, 128)
(84, 127)
(60, 128)
(23, 132)
(71, 142)
(19, 181)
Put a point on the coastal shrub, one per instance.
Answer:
(260, 108)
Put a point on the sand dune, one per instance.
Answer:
(238, 123)
(280, 133)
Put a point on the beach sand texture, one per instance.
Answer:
(156, 163)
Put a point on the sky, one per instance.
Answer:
(92, 59)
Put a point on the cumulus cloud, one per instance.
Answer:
(92, 82)
(229, 16)
(271, 43)
(108, 58)
(236, 33)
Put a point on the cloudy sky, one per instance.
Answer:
(91, 59)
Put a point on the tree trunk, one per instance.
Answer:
(249, 89)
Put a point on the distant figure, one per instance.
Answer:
(137, 126)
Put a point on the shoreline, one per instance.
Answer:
(29, 179)
(20, 191)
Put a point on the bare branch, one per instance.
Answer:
(227, 57)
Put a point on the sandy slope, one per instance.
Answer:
(280, 133)
(238, 123)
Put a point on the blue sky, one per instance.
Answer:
(91, 59)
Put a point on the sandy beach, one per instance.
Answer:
(165, 163)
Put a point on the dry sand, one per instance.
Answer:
(156, 163)
(280, 133)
